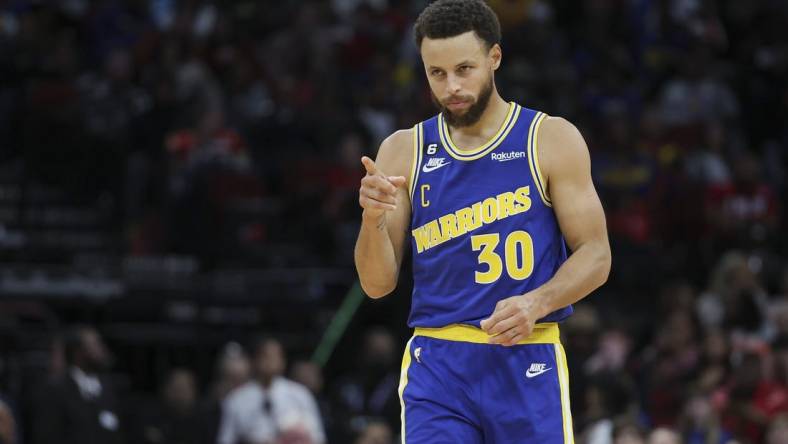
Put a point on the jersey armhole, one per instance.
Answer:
(533, 157)
(418, 141)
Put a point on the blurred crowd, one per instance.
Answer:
(231, 131)
(255, 396)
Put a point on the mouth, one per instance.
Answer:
(458, 105)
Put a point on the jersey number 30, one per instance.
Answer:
(518, 254)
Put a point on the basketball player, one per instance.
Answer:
(489, 195)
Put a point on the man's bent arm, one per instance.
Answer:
(380, 244)
(580, 216)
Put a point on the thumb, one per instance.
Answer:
(397, 181)
(369, 164)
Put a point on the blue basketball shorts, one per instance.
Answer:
(456, 388)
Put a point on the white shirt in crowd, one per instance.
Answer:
(89, 384)
(252, 414)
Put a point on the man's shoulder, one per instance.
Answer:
(396, 152)
(246, 393)
(555, 126)
(559, 141)
(402, 138)
(293, 387)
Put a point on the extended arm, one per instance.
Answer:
(386, 203)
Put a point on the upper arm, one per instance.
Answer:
(395, 158)
(566, 163)
(228, 433)
(312, 416)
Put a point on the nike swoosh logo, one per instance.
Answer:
(428, 168)
(530, 374)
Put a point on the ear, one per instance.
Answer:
(495, 56)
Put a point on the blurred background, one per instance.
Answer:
(180, 177)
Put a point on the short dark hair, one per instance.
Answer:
(449, 18)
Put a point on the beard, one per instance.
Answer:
(474, 112)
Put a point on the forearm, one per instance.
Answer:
(376, 261)
(583, 272)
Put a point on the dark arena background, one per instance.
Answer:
(180, 177)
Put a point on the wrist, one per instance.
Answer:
(375, 220)
(540, 304)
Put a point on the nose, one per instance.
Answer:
(453, 84)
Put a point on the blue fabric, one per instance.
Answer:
(460, 392)
(446, 290)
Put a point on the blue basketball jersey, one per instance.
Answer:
(482, 226)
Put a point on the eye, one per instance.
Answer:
(435, 72)
(465, 68)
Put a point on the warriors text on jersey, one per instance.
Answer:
(482, 227)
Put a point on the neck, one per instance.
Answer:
(81, 369)
(266, 381)
(492, 117)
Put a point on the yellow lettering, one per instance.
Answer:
(490, 211)
(487, 243)
(424, 202)
(435, 233)
(477, 215)
(464, 221)
(449, 226)
(506, 205)
(519, 243)
(521, 196)
(422, 239)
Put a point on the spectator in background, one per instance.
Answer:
(371, 388)
(174, 420)
(211, 168)
(375, 432)
(342, 178)
(771, 396)
(663, 435)
(739, 414)
(714, 366)
(706, 163)
(735, 297)
(270, 409)
(744, 211)
(612, 353)
(669, 365)
(233, 370)
(777, 433)
(608, 401)
(80, 406)
(700, 423)
(310, 375)
(628, 432)
(7, 425)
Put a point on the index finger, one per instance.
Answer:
(370, 166)
(498, 315)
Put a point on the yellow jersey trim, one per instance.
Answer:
(500, 136)
(545, 333)
(563, 382)
(417, 153)
(403, 382)
(533, 157)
